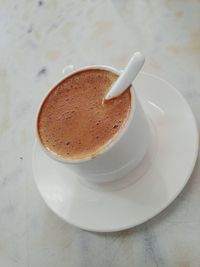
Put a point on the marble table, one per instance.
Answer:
(37, 39)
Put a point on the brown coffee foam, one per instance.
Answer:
(74, 122)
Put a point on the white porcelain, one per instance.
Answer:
(127, 76)
(122, 154)
(68, 69)
(163, 173)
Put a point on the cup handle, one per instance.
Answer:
(68, 69)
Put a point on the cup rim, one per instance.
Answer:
(112, 142)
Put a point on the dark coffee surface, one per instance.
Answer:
(74, 122)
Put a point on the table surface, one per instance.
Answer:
(37, 39)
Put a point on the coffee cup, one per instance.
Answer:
(122, 154)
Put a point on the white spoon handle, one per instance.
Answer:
(126, 78)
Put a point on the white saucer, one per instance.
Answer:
(164, 172)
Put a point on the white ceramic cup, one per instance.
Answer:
(124, 152)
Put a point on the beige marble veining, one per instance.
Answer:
(39, 38)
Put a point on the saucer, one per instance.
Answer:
(147, 190)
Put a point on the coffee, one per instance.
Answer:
(75, 122)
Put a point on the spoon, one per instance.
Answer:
(128, 75)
